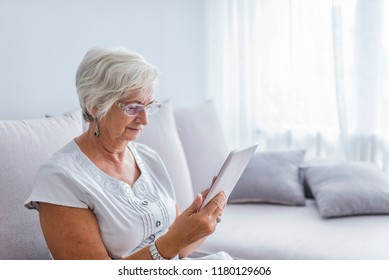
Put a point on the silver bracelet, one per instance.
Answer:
(154, 252)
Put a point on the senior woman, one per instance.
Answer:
(103, 196)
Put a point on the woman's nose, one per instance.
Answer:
(143, 117)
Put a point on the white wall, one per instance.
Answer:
(43, 41)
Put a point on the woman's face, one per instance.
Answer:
(120, 127)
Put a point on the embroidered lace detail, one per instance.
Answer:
(103, 180)
(140, 188)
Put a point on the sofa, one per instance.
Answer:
(281, 208)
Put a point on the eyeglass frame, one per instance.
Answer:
(143, 107)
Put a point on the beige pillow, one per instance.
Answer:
(204, 142)
(161, 135)
(24, 146)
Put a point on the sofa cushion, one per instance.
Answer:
(24, 146)
(270, 232)
(271, 177)
(203, 140)
(348, 188)
(161, 135)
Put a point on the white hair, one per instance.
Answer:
(106, 75)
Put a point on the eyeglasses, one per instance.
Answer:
(134, 109)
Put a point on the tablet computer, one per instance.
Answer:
(230, 172)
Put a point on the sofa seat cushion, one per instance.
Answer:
(268, 231)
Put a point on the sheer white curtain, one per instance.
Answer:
(310, 74)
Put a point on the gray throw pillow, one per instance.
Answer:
(271, 177)
(349, 188)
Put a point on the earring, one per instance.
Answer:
(96, 132)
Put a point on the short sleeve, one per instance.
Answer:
(53, 184)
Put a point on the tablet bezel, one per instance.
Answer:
(233, 167)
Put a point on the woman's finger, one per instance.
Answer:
(216, 203)
(206, 191)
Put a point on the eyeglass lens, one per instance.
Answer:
(134, 109)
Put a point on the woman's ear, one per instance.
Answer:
(94, 114)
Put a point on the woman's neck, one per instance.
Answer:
(99, 148)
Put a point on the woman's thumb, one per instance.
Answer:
(195, 206)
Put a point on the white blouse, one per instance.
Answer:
(129, 217)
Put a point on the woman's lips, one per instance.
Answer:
(135, 129)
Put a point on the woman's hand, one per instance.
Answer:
(192, 225)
